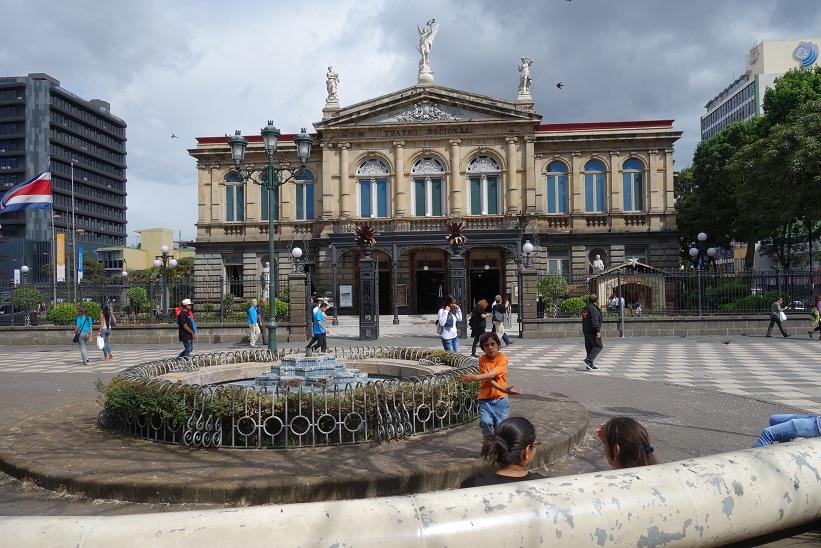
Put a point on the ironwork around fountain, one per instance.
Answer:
(146, 402)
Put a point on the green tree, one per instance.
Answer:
(26, 298)
(795, 88)
(138, 299)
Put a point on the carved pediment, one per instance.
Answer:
(426, 105)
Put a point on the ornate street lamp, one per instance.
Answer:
(272, 178)
(702, 256)
(165, 260)
(25, 270)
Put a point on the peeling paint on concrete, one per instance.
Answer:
(658, 495)
(655, 537)
(801, 461)
(727, 508)
(738, 489)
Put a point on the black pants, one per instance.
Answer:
(476, 335)
(774, 319)
(592, 345)
(263, 335)
(320, 341)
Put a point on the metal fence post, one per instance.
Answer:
(621, 308)
(222, 300)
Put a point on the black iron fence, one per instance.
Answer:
(216, 299)
(681, 292)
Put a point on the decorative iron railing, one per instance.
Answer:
(140, 403)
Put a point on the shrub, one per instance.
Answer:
(138, 299)
(93, 309)
(281, 309)
(573, 306)
(27, 298)
(552, 286)
(227, 305)
(62, 313)
(750, 302)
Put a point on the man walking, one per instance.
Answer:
(320, 339)
(261, 320)
(187, 328)
(253, 323)
(591, 328)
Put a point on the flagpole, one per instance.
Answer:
(53, 254)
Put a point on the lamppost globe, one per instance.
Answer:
(702, 236)
(487, 266)
(124, 273)
(270, 135)
(528, 247)
(157, 263)
(693, 252)
(425, 268)
(24, 269)
(296, 253)
(711, 251)
(164, 249)
(172, 262)
(237, 143)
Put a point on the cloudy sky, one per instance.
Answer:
(205, 67)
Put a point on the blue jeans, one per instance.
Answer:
(84, 335)
(451, 344)
(105, 332)
(188, 347)
(491, 413)
(787, 427)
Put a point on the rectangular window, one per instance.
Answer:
(492, 195)
(594, 193)
(427, 195)
(263, 202)
(381, 199)
(304, 201)
(234, 203)
(557, 194)
(373, 198)
(558, 262)
(419, 194)
(633, 192)
(365, 198)
(484, 195)
(436, 197)
(639, 253)
(475, 196)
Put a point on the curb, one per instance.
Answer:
(75, 455)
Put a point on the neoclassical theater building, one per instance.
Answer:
(411, 161)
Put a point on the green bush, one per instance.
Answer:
(62, 314)
(138, 299)
(93, 309)
(552, 286)
(282, 310)
(26, 298)
(726, 292)
(573, 306)
(227, 305)
(750, 302)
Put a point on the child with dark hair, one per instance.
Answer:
(626, 443)
(512, 447)
(493, 393)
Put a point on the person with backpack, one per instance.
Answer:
(447, 323)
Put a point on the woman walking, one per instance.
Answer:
(84, 326)
(478, 323)
(107, 320)
(449, 317)
(498, 317)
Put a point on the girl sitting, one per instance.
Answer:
(626, 443)
(512, 446)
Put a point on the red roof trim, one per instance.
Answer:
(285, 137)
(588, 126)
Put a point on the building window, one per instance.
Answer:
(263, 202)
(234, 198)
(637, 253)
(372, 189)
(594, 177)
(427, 175)
(556, 188)
(558, 262)
(484, 188)
(633, 186)
(305, 196)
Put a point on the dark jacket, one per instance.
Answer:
(184, 319)
(591, 318)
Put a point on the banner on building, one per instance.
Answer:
(79, 265)
(60, 243)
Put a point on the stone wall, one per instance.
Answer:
(656, 327)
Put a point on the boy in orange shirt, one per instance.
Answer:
(493, 404)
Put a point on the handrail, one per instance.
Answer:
(708, 501)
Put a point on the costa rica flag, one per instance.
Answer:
(32, 194)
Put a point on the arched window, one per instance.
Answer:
(633, 185)
(556, 188)
(484, 187)
(305, 196)
(234, 198)
(372, 189)
(428, 176)
(594, 177)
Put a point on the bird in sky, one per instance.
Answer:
(174, 136)
(560, 85)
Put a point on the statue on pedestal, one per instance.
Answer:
(266, 280)
(598, 264)
(426, 36)
(331, 82)
(524, 75)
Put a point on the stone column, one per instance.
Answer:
(669, 181)
(654, 194)
(329, 193)
(345, 200)
(297, 331)
(615, 192)
(401, 184)
(457, 179)
(530, 183)
(527, 296)
(513, 200)
(576, 192)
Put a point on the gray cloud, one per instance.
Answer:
(205, 68)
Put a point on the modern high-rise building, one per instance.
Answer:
(744, 98)
(44, 126)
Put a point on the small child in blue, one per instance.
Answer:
(784, 428)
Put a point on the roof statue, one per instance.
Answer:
(331, 83)
(524, 75)
(426, 36)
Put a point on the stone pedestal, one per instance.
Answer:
(425, 77)
(299, 304)
(527, 295)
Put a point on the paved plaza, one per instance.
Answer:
(696, 395)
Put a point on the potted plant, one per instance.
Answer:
(365, 238)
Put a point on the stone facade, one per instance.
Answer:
(410, 161)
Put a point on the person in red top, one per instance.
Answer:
(493, 404)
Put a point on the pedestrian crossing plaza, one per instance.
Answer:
(776, 370)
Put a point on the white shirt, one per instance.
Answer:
(449, 332)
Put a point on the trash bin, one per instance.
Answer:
(539, 306)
